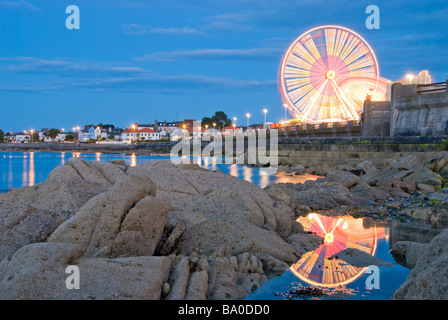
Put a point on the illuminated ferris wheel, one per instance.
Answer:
(327, 73)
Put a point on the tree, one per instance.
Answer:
(111, 136)
(220, 119)
(53, 133)
(2, 136)
(69, 137)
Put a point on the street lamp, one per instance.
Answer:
(32, 135)
(265, 111)
(248, 116)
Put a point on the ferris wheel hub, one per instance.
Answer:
(331, 74)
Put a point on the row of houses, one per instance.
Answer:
(135, 132)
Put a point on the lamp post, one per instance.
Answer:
(248, 116)
(265, 112)
(32, 135)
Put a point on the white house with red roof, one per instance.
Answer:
(140, 134)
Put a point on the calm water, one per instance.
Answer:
(334, 277)
(21, 169)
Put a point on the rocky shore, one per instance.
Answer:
(411, 190)
(160, 231)
(155, 231)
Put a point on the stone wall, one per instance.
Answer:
(376, 118)
(419, 111)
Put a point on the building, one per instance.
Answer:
(165, 128)
(144, 134)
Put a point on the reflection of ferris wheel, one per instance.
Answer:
(318, 267)
(327, 73)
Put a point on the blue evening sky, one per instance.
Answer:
(141, 60)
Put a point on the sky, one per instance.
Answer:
(137, 61)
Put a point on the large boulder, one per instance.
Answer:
(96, 226)
(428, 280)
(38, 272)
(31, 214)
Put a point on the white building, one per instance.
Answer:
(131, 135)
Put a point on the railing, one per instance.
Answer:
(322, 129)
(431, 88)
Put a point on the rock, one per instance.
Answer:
(360, 258)
(118, 162)
(31, 214)
(272, 265)
(322, 170)
(239, 236)
(425, 188)
(357, 172)
(326, 195)
(428, 280)
(369, 193)
(210, 194)
(426, 176)
(343, 167)
(88, 171)
(407, 253)
(179, 280)
(110, 172)
(171, 243)
(303, 242)
(427, 214)
(96, 225)
(38, 272)
(365, 166)
(345, 178)
(142, 228)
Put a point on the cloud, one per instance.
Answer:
(216, 54)
(18, 4)
(62, 75)
(140, 29)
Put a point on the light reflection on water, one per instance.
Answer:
(322, 269)
(20, 169)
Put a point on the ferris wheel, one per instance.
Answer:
(327, 73)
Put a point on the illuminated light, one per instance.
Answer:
(328, 238)
(330, 75)
(410, 77)
(327, 73)
(316, 268)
